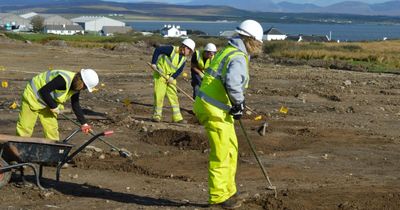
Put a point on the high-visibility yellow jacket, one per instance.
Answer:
(31, 92)
(213, 89)
(200, 61)
(169, 64)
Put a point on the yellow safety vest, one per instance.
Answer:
(200, 61)
(169, 64)
(212, 88)
(31, 93)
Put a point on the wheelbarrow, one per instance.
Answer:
(17, 152)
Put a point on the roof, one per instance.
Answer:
(28, 15)
(66, 27)
(116, 29)
(227, 33)
(83, 19)
(9, 18)
(308, 38)
(273, 31)
(315, 38)
(167, 27)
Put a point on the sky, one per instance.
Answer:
(317, 2)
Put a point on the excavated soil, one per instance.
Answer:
(338, 146)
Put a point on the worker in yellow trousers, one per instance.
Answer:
(43, 98)
(170, 61)
(220, 100)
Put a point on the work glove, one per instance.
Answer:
(170, 80)
(85, 128)
(237, 110)
(56, 111)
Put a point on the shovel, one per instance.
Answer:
(122, 153)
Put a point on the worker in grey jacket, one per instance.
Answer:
(220, 100)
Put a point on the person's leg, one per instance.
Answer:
(26, 120)
(173, 100)
(50, 124)
(222, 161)
(160, 87)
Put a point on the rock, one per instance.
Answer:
(75, 176)
(144, 129)
(102, 157)
(46, 194)
(347, 83)
(93, 148)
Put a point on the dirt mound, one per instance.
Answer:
(181, 139)
(111, 163)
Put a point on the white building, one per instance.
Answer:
(273, 34)
(96, 23)
(172, 31)
(14, 22)
(29, 15)
(63, 29)
(112, 30)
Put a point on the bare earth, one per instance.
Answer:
(338, 147)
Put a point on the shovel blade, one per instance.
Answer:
(262, 129)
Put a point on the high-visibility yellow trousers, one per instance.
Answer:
(27, 120)
(223, 151)
(161, 88)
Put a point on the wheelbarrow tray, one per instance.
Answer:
(35, 152)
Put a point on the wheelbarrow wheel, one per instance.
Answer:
(4, 176)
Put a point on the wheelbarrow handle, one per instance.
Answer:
(77, 151)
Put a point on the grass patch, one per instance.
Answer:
(379, 56)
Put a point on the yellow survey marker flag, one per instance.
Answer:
(127, 102)
(14, 105)
(4, 84)
(259, 117)
(283, 110)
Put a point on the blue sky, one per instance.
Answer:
(317, 2)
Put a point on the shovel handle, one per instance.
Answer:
(180, 89)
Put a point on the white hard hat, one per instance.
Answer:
(189, 43)
(251, 28)
(210, 47)
(90, 78)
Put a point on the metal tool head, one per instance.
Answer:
(262, 129)
(124, 154)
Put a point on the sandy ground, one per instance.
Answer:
(338, 147)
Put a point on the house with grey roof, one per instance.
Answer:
(14, 22)
(64, 29)
(112, 30)
(308, 38)
(96, 23)
(273, 34)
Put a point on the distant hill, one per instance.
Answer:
(252, 5)
(133, 11)
(391, 8)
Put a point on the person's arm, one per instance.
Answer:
(163, 50)
(76, 107)
(179, 71)
(57, 83)
(195, 65)
(236, 79)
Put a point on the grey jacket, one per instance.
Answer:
(236, 75)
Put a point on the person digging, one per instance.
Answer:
(219, 102)
(169, 61)
(44, 95)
